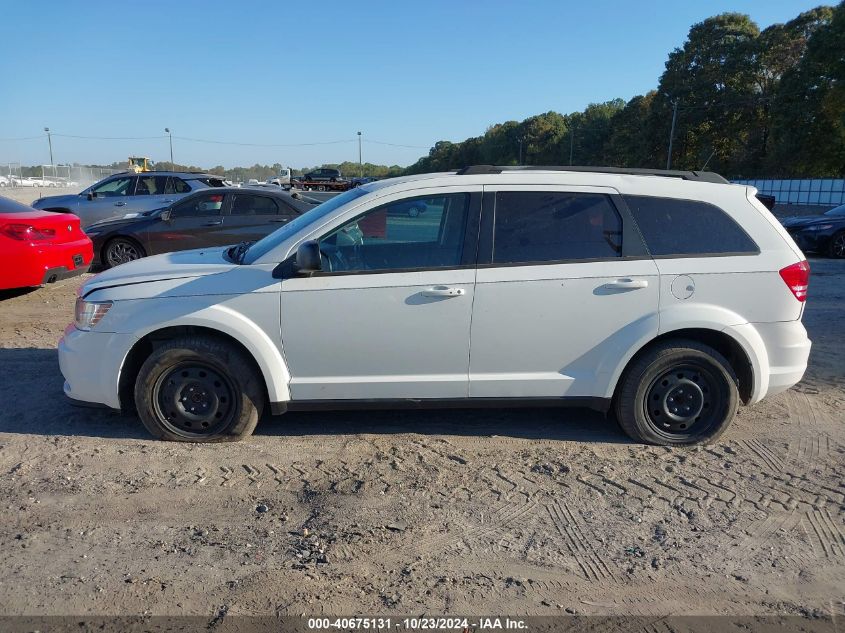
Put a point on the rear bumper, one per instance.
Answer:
(52, 275)
(778, 353)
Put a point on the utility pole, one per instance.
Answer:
(672, 133)
(50, 142)
(520, 151)
(360, 162)
(170, 135)
(571, 142)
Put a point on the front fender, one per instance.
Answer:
(261, 340)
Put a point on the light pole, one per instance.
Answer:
(170, 136)
(50, 142)
(360, 162)
(672, 134)
(571, 141)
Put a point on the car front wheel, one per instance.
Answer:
(199, 389)
(677, 393)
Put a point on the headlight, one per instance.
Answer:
(819, 227)
(88, 313)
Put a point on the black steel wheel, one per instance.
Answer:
(120, 250)
(199, 389)
(683, 400)
(837, 245)
(192, 397)
(677, 393)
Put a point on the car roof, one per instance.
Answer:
(181, 174)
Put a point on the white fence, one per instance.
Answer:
(819, 191)
(53, 175)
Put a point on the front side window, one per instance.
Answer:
(547, 226)
(114, 188)
(208, 204)
(416, 233)
(674, 227)
(253, 205)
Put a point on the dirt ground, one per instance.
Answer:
(537, 511)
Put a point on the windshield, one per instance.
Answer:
(836, 211)
(268, 243)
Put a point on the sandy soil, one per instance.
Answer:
(505, 511)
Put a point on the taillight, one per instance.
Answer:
(27, 232)
(797, 277)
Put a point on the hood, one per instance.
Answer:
(52, 201)
(179, 265)
(807, 220)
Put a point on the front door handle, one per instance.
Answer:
(120, 204)
(280, 220)
(214, 223)
(167, 200)
(628, 284)
(443, 291)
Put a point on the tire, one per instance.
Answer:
(677, 393)
(413, 212)
(836, 247)
(211, 374)
(120, 250)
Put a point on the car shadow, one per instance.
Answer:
(34, 404)
(12, 293)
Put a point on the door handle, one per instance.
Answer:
(215, 223)
(628, 284)
(167, 200)
(443, 291)
(279, 221)
(120, 204)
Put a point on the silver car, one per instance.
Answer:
(128, 192)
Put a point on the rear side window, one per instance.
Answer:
(177, 185)
(546, 226)
(673, 227)
(253, 205)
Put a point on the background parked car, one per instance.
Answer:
(323, 174)
(23, 181)
(39, 247)
(4, 182)
(216, 217)
(824, 234)
(128, 192)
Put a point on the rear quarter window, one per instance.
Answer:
(672, 227)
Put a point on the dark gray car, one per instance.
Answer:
(128, 192)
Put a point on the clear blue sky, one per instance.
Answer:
(409, 73)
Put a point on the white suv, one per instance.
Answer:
(665, 297)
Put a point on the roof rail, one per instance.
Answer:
(698, 176)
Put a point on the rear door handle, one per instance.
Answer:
(443, 291)
(120, 204)
(215, 223)
(280, 220)
(628, 284)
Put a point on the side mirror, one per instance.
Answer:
(91, 195)
(166, 215)
(308, 257)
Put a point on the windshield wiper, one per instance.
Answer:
(236, 253)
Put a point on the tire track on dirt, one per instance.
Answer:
(592, 565)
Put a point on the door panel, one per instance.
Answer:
(252, 216)
(196, 222)
(558, 329)
(377, 336)
(379, 327)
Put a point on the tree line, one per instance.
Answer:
(746, 103)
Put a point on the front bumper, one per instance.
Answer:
(91, 363)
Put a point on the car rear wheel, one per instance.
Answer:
(678, 393)
(121, 250)
(414, 212)
(837, 245)
(199, 389)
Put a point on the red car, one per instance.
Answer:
(40, 247)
